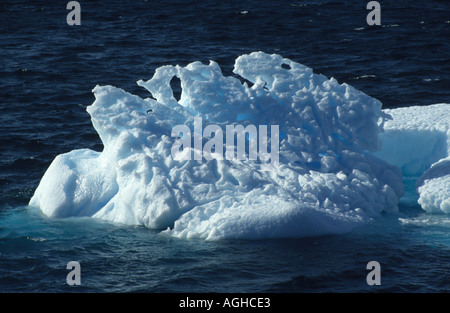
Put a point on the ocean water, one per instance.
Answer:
(49, 68)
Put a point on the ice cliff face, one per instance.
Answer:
(328, 179)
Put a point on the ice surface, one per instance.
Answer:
(328, 179)
(417, 140)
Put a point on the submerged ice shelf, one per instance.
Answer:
(332, 174)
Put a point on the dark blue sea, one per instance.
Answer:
(47, 72)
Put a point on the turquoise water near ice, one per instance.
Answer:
(34, 250)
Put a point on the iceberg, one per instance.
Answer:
(417, 140)
(330, 176)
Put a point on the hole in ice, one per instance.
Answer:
(286, 66)
(175, 84)
(243, 80)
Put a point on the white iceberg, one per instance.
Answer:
(417, 140)
(328, 179)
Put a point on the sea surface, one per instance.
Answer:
(47, 72)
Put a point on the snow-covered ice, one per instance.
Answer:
(417, 139)
(332, 175)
